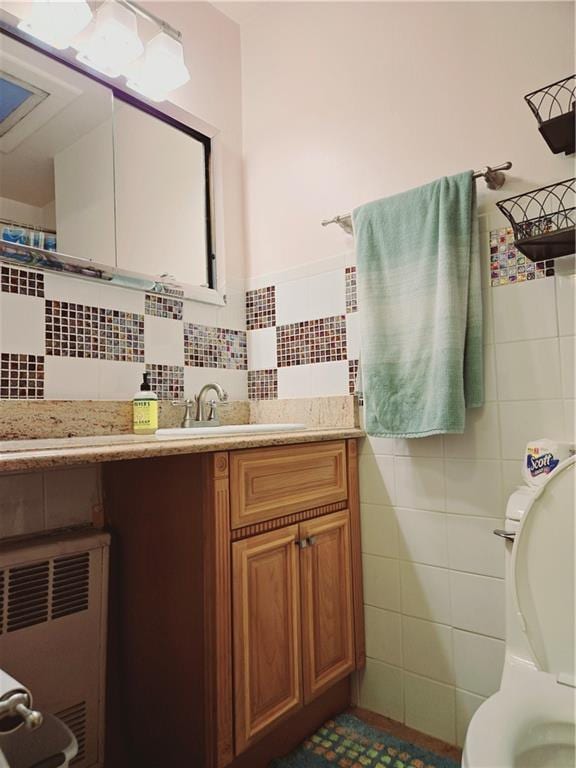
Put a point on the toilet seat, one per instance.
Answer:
(532, 715)
(544, 576)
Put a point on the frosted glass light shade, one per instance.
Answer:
(114, 42)
(161, 69)
(55, 22)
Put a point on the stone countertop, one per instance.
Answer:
(28, 455)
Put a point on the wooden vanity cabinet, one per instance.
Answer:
(293, 621)
(238, 613)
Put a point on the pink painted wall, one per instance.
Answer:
(347, 102)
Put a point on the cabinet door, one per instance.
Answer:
(267, 662)
(327, 609)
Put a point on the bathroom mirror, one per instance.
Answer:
(160, 198)
(56, 157)
(90, 174)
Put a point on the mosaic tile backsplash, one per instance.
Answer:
(508, 265)
(302, 336)
(98, 347)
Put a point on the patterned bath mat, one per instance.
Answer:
(347, 742)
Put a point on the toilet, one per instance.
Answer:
(530, 722)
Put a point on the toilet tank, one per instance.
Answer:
(53, 607)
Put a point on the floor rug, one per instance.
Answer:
(347, 742)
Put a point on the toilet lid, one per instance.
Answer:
(543, 568)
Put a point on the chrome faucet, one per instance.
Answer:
(200, 417)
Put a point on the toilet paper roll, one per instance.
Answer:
(542, 458)
(8, 687)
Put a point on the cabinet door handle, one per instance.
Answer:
(312, 540)
(302, 543)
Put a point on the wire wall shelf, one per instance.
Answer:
(553, 107)
(543, 220)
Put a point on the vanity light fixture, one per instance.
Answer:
(161, 69)
(113, 43)
(55, 22)
(108, 42)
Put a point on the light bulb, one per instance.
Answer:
(56, 22)
(114, 42)
(161, 69)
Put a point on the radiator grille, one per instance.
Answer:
(70, 585)
(39, 592)
(75, 719)
(28, 590)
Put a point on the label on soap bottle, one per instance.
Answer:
(145, 416)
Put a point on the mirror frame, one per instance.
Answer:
(170, 113)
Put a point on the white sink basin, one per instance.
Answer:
(228, 429)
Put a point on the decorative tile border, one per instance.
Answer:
(261, 308)
(508, 265)
(209, 347)
(121, 336)
(263, 385)
(163, 306)
(167, 381)
(352, 375)
(351, 290)
(72, 330)
(21, 377)
(14, 280)
(311, 341)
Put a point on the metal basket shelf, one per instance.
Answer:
(553, 107)
(543, 220)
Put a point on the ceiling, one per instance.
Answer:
(239, 11)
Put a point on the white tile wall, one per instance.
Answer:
(434, 589)
(71, 378)
(430, 707)
(328, 379)
(477, 603)
(529, 370)
(472, 546)
(474, 487)
(21, 324)
(383, 635)
(466, 704)
(379, 530)
(262, 349)
(526, 311)
(353, 335)
(382, 689)
(381, 582)
(117, 380)
(478, 662)
(425, 592)
(568, 364)
(420, 483)
(566, 296)
(422, 536)
(427, 649)
(164, 340)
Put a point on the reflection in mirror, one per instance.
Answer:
(161, 219)
(56, 156)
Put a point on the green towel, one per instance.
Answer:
(421, 308)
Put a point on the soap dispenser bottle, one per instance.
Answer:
(145, 409)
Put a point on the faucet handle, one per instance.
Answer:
(212, 405)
